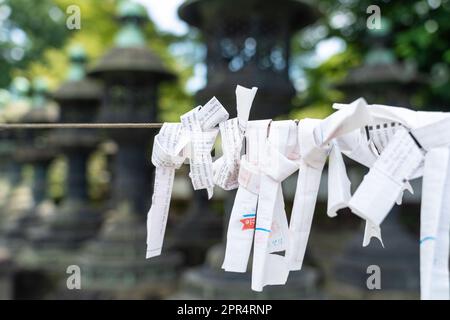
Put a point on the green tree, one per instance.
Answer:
(97, 32)
(27, 30)
(420, 33)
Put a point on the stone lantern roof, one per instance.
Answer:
(395, 72)
(19, 103)
(78, 87)
(380, 66)
(130, 54)
(79, 98)
(249, 42)
(42, 109)
(300, 12)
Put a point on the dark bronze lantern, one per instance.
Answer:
(114, 263)
(75, 221)
(248, 43)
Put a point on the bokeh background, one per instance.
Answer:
(79, 197)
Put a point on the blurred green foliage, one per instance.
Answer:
(27, 30)
(34, 41)
(44, 41)
(48, 39)
(420, 35)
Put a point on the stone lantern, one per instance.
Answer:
(6, 274)
(35, 153)
(35, 150)
(19, 199)
(382, 79)
(6, 147)
(131, 74)
(20, 102)
(30, 200)
(114, 263)
(248, 43)
(75, 221)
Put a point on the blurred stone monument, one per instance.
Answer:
(37, 155)
(6, 147)
(114, 264)
(382, 79)
(55, 241)
(6, 275)
(248, 43)
(19, 199)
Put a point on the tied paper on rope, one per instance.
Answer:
(435, 216)
(356, 147)
(199, 124)
(271, 229)
(193, 138)
(243, 214)
(226, 175)
(314, 138)
(397, 145)
(338, 197)
(226, 168)
(435, 210)
(167, 147)
(312, 160)
(329, 130)
(435, 225)
(365, 146)
(379, 136)
(386, 180)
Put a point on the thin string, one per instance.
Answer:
(5, 126)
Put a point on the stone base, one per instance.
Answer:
(209, 281)
(206, 283)
(200, 229)
(398, 261)
(113, 265)
(6, 275)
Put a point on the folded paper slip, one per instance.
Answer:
(271, 229)
(315, 139)
(381, 187)
(193, 138)
(167, 147)
(226, 168)
(199, 125)
(241, 225)
(435, 210)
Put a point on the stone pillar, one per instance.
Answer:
(56, 239)
(19, 200)
(114, 263)
(248, 43)
(6, 275)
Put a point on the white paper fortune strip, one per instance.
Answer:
(226, 168)
(199, 124)
(397, 144)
